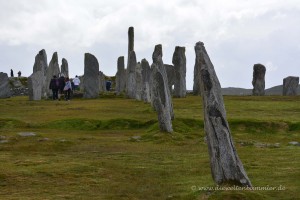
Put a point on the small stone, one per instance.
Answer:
(2, 137)
(26, 134)
(43, 139)
(294, 143)
(137, 138)
(3, 141)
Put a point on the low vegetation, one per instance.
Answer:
(111, 148)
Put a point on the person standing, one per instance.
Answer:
(54, 85)
(11, 73)
(76, 82)
(67, 89)
(62, 84)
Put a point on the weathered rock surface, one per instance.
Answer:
(226, 166)
(91, 76)
(131, 82)
(102, 82)
(258, 81)
(179, 62)
(290, 86)
(35, 85)
(64, 68)
(146, 74)
(52, 70)
(4, 86)
(120, 76)
(197, 81)
(138, 81)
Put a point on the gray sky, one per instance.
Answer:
(237, 34)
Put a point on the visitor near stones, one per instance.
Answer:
(54, 86)
(76, 82)
(67, 89)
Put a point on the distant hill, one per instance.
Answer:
(276, 90)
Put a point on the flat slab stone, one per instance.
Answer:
(26, 134)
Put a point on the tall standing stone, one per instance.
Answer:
(290, 85)
(146, 73)
(179, 62)
(139, 82)
(161, 95)
(258, 81)
(226, 166)
(130, 40)
(35, 85)
(4, 86)
(102, 82)
(197, 81)
(52, 70)
(41, 63)
(120, 76)
(91, 76)
(171, 74)
(131, 82)
(64, 68)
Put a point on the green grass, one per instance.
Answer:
(86, 149)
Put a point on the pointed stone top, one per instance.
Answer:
(157, 52)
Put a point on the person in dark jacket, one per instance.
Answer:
(54, 85)
(62, 84)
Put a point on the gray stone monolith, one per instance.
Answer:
(131, 82)
(171, 74)
(130, 40)
(102, 82)
(52, 70)
(161, 95)
(41, 63)
(179, 62)
(64, 68)
(91, 77)
(120, 76)
(138, 82)
(290, 85)
(35, 85)
(146, 74)
(226, 166)
(4, 86)
(258, 81)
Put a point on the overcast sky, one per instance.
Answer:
(237, 34)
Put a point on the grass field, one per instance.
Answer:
(111, 148)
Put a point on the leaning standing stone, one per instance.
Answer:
(52, 70)
(171, 74)
(4, 86)
(120, 76)
(130, 40)
(290, 85)
(179, 62)
(226, 166)
(102, 82)
(35, 85)
(41, 63)
(258, 81)
(146, 74)
(139, 82)
(91, 76)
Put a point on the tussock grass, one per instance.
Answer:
(111, 148)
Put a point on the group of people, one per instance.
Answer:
(63, 86)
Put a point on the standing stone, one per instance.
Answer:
(52, 70)
(226, 166)
(139, 82)
(171, 74)
(258, 81)
(4, 86)
(120, 76)
(160, 94)
(35, 85)
(102, 82)
(179, 62)
(131, 82)
(290, 85)
(91, 76)
(197, 83)
(146, 73)
(64, 68)
(130, 40)
(41, 63)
